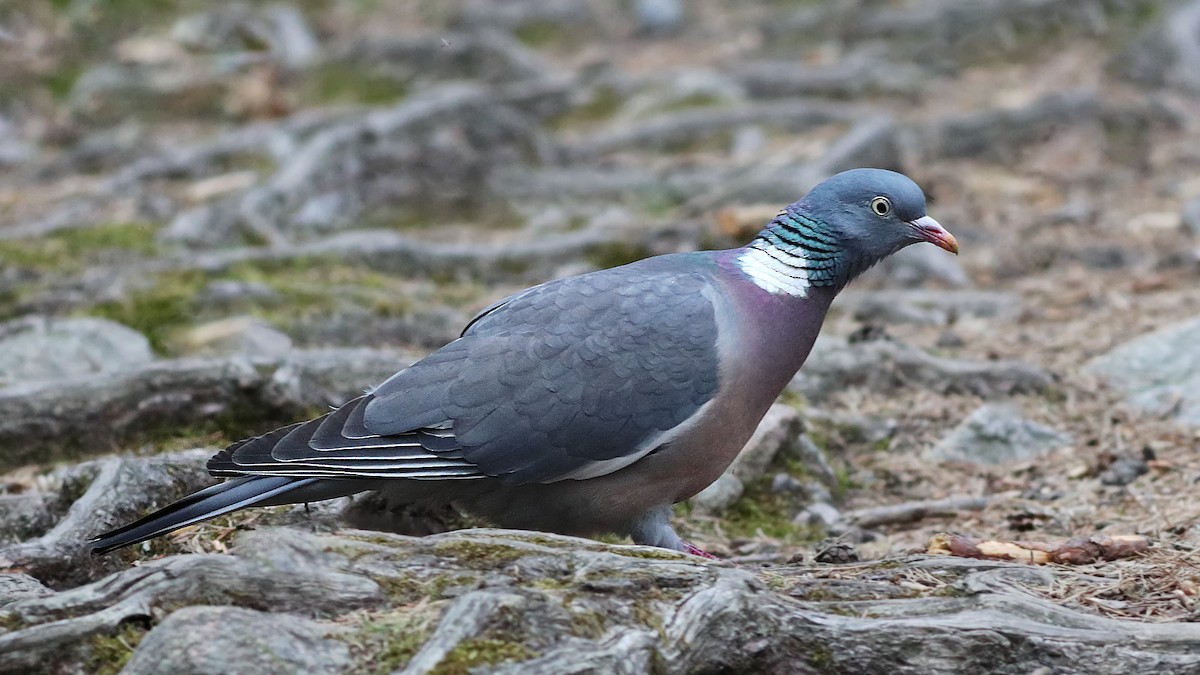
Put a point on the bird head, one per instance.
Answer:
(843, 226)
(874, 212)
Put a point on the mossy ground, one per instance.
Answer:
(71, 250)
(108, 654)
(383, 642)
(478, 652)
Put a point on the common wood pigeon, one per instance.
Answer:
(593, 403)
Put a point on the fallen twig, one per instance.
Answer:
(910, 512)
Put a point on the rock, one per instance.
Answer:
(23, 516)
(1167, 53)
(13, 150)
(39, 349)
(720, 495)
(207, 225)
(1123, 471)
(936, 308)
(813, 458)
(659, 17)
(16, 586)
(524, 602)
(819, 514)
(997, 434)
(221, 640)
(235, 27)
(245, 335)
(1191, 216)
(785, 482)
(1159, 372)
(44, 422)
(882, 365)
(229, 291)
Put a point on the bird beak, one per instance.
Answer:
(928, 229)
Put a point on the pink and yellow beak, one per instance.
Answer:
(928, 229)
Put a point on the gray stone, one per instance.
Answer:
(245, 335)
(813, 457)
(659, 16)
(36, 349)
(13, 150)
(819, 514)
(208, 225)
(1191, 216)
(1159, 372)
(542, 603)
(235, 27)
(1124, 471)
(720, 495)
(16, 586)
(785, 482)
(221, 640)
(1167, 53)
(225, 291)
(997, 434)
(23, 515)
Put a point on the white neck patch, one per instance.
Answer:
(770, 273)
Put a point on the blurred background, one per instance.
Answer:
(322, 190)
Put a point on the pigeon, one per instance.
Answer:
(589, 404)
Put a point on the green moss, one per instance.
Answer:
(844, 482)
(478, 553)
(588, 624)
(647, 613)
(603, 103)
(477, 652)
(760, 509)
(696, 100)
(821, 658)
(614, 254)
(10, 622)
(157, 311)
(351, 83)
(658, 202)
(408, 590)
(647, 553)
(75, 248)
(108, 654)
(541, 34)
(384, 643)
(60, 81)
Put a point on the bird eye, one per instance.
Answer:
(882, 206)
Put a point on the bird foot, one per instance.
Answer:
(689, 547)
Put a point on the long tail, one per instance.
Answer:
(229, 496)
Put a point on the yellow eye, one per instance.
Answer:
(882, 206)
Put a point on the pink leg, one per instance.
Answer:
(691, 548)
